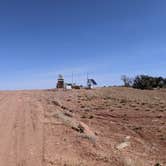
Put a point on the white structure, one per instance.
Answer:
(68, 86)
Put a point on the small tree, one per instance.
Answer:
(127, 81)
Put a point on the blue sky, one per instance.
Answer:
(107, 38)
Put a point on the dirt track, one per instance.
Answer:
(42, 128)
(21, 130)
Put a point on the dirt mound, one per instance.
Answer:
(68, 119)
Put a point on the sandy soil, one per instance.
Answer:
(107, 126)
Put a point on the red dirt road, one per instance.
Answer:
(21, 130)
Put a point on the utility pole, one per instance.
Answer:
(88, 84)
(72, 78)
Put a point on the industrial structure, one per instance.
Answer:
(68, 86)
(60, 82)
(91, 83)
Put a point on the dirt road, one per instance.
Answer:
(21, 130)
(30, 135)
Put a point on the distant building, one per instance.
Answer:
(60, 82)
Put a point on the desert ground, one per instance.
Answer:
(100, 127)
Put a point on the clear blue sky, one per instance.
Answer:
(107, 38)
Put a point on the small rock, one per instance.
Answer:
(127, 138)
(123, 145)
(157, 164)
(156, 98)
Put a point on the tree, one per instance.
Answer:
(148, 82)
(127, 80)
